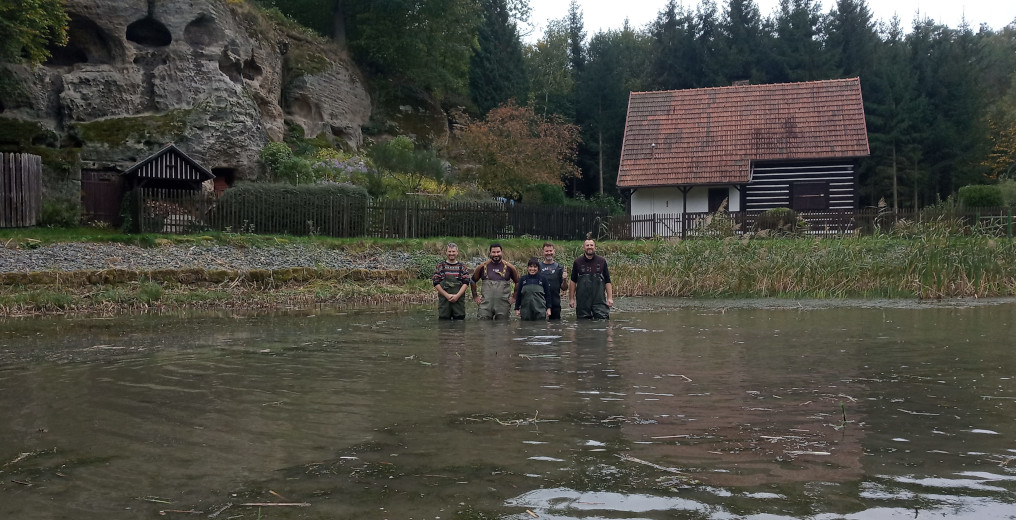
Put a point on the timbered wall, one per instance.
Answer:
(802, 186)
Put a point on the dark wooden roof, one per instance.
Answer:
(712, 135)
(169, 163)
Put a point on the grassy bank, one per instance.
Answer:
(930, 266)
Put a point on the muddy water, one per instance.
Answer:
(673, 409)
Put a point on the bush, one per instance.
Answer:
(288, 209)
(981, 196)
(780, 220)
(546, 194)
(60, 212)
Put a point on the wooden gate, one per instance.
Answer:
(101, 195)
(20, 189)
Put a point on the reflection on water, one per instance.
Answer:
(693, 410)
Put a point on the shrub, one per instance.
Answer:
(547, 194)
(780, 220)
(289, 209)
(61, 206)
(980, 196)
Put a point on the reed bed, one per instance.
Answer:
(865, 267)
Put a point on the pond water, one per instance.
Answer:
(673, 409)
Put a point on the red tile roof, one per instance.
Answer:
(712, 135)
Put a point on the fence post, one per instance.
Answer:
(1009, 227)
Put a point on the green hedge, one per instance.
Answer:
(306, 209)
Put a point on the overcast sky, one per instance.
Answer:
(610, 14)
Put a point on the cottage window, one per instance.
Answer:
(810, 195)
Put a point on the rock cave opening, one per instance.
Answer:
(87, 42)
(149, 32)
(203, 32)
(230, 66)
(251, 69)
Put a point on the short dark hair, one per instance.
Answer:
(548, 244)
(533, 261)
(492, 246)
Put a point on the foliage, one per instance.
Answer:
(60, 208)
(334, 165)
(496, 70)
(546, 194)
(398, 168)
(547, 68)
(430, 42)
(28, 27)
(513, 148)
(261, 206)
(1008, 189)
(779, 220)
(980, 196)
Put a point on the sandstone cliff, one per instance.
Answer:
(214, 76)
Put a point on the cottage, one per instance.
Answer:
(756, 147)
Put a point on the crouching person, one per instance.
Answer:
(451, 279)
(531, 294)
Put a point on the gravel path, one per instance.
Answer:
(74, 256)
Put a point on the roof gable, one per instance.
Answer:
(712, 135)
(169, 163)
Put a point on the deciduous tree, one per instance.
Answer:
(28, 27)
(513, 148)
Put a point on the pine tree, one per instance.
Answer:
(797, 49)
(673, 49)
(616, 66)
(742, 42)
(497, 73)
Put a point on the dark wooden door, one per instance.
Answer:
(101, 194)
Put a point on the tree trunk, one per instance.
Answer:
(339, 24)
(601, 162)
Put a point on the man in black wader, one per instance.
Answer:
(496, 294)
(531, 294)
(591, 294)
(555, 275)
(451, 278)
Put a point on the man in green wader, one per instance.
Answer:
(591, 293)
(496, 295)
(451, 278)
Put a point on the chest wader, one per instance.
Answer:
(494, 303)
(534, 303)
(591, 297)
(447, 310)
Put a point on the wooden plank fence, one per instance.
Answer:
(20, 189)
(184, 211)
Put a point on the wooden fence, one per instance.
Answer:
(20, 189)
(182, 211)
(997, 221)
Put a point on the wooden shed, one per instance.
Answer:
(102, 191)
(169, 168)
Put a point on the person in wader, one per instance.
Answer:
(531, 294)
(451, 278)
(591, 294)
(555, 275)
(496, 295)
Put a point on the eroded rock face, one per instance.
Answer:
(208, 75)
